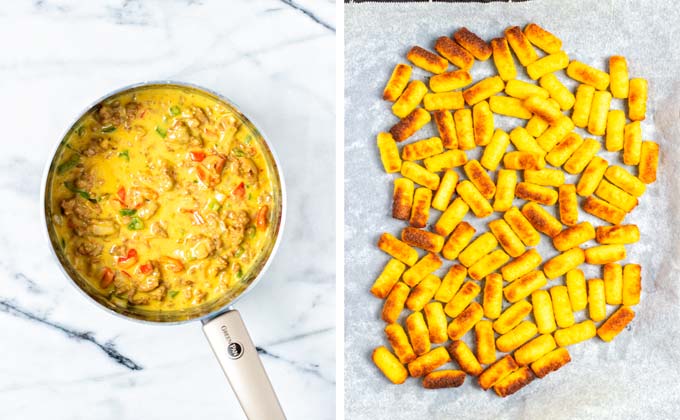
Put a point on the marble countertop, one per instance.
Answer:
(61, 357)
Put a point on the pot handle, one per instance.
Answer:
(229, 339)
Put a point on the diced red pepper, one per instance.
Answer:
(262, 219)
(239, 191)
(121, 194)
(107, 278)
(146, 268)
(197, 156)
(129, 260)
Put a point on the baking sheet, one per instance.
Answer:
(635, 376)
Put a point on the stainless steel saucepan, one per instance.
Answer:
(222, 324)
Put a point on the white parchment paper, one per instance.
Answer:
(636, 376)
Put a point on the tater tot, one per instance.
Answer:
(603, 210)
(524, 142)
(474, 44)
(524, 286)
(451, 283)
(507, 238)
(465, 295)
(422, 149)
(632, 284)
(574, 236)
(525, 52)
(514, 338)
(576, 286)
(560, 264)
(389, 365)
(616, 122)
(483, 90)
(555, 133)
(470, 194)
(612, 274)
(551, 362)
(451, 217)
(597, 308)
(428, 264)
(457, 55)
(443, 101)
(513, 382)
(582, 156)
(548, 64)
(575, 334)
(492, 299)
(618, 76)
(447, 160)
(542, 38)
(397, 249)
(564, 149)
(497, 371)
(447, 187)
(625, 180)
(464, 129)
(637, 99)
(389, 153)
(522, 227)
(411, 123)
(512, 316)
(521, 90)
(464, 357)
(521, 265)
(616, 323)
(537, 193)
(649, 161)
(399, 341)
(547, 177)
(509, 106)
(459, 239)
(423, 293)
(482, 122)
(488, 264)
(502, 59)
(584, 73)
(536, 126)
(616, 196)
(387, 278)
(584, 100)
(557, 91)
(429, 362)
(632, 143)
(505, 189)
(397, 82)
(444, 379)
(450, 81)
(485, 342)
(402, 199)
(619, 234)
(541, 220)
(591, 176)
(420, 211)
(481, 246)
(418, 333)
(599, 109)
(446, 128)
(543, 311)
(436, 322)
(464, 322)
(534, 349)
(543, 108)
(420, 175)
(568, 204)
(427, 60)
(523, 161)
(395, 302)
(564, 317)
(480, 178)
(493, 152)
(410, 99)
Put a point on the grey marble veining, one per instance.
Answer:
(64, 358)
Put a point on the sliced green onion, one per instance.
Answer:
(161, 131)
(239, 274)
(248, 139)
(109, 128)
(250, 232)
(239, 252)
(125, 154)
(173, 293)
(136, 224)
(238, 152)
(71, 187)
(128, 212)
(214, 205)
(174, 110)
(63, 243)
(250, 196)
(68, 164)
(80, 131)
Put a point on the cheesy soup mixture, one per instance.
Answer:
(162, 198)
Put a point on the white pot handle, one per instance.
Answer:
(229, 339)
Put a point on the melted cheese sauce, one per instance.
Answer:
(162, 198)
